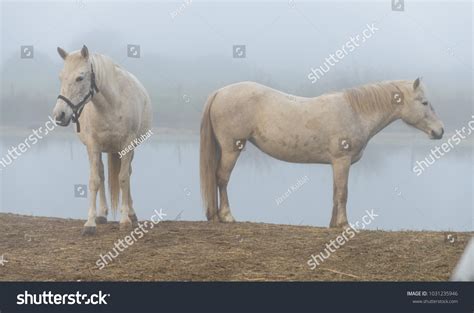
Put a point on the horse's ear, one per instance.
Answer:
(62, 53)
(416, 84)
(85, 52)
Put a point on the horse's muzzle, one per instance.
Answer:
(61, 120)
(435, 135)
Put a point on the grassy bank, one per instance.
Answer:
(40, 248)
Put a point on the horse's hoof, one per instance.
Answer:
(339, 225)
(226, 218)
(133, 218)
(126, 226)
(88, 230)
(101, 220)
(213, 218)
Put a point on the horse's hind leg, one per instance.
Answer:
(103, 211)
(131, 213)
(226, 165)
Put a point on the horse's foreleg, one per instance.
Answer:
(103, 211)
(226, 164)
(94, 184)
(340, 168)
(124, 181)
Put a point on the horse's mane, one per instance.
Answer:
(104, 61)
(376, 97)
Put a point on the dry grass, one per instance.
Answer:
(39, 248)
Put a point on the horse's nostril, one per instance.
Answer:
(61, 116)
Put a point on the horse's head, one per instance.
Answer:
(77, 82)
(417, 111)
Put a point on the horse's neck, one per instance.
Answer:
(106, 82)
(374, 122)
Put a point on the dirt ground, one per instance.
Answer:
(52, 249)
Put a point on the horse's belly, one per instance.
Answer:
(296, 151)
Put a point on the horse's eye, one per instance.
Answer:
(79, 78)
(425, 102)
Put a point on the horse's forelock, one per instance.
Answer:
(75, 58)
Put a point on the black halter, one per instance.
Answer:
(77, 109)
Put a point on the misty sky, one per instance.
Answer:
(186, 46)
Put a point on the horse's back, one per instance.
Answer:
(287, 127)
(246, 92)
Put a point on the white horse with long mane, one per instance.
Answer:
(333, 129)
(111, 109)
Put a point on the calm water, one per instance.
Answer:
(166, 175)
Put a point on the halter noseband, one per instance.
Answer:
(77, 109)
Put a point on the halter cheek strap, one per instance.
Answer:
(77, 108)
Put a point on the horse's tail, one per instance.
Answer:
(209, 157)
(114, 186)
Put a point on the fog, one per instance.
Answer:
(186, 52)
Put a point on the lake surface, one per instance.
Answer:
(166, 175)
